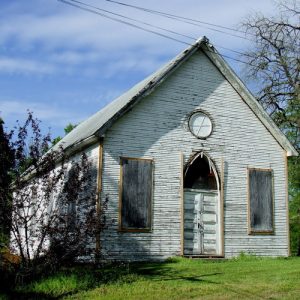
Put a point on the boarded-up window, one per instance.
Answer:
(136, 194)
(260, 201)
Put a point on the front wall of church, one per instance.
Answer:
(156, 128)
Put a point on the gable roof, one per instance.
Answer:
(90, 130)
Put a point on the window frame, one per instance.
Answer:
(252, 231)
(150, 210)
(194, 112)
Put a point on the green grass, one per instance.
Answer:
(178, 278)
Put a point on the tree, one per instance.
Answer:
(274, 65)
(67, 130)
(274, 62)
(6, 163)
(53, 214)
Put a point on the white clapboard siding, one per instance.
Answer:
(157, 128)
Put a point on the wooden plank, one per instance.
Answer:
(136, 194)
(210, 239)
(210, 250)
(210, 218)
(189, 206)
(200, 207)
(191, 239)
(261, 200)
(207, 231)
(210, 209)
(188, 234)
(189, 217)
(209, 226)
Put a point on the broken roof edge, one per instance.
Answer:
(248, 98)
(156, 79)
(124, 102)
(103, 119)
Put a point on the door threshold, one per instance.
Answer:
(204, 256)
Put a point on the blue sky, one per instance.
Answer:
(65, 64)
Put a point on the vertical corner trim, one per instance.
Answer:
(222, 229)
(98, 195)
(182, 203)
(285, 155)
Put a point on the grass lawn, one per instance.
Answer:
(178, 278)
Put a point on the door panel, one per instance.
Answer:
(209, 218)
(200, 222)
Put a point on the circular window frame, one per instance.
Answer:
(207, 115)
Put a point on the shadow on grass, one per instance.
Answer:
(69, 281)
(166, 272)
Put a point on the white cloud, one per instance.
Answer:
(39, 37)
(65, 35)
(132, 64)
(24, 66)
(13, 109)
(69, 28)
(74, 57)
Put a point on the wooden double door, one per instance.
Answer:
(201, 226)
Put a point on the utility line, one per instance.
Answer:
(179, 18)
(140, 27)
(153, 26)
(123, 22)
(174, 17)
(132, 19)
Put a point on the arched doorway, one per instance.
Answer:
(202, 223)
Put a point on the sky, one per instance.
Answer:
(65, 64)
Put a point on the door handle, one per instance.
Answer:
(200, 227)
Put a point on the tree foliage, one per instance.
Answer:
(6, 163)
(274, 65)
(67, 130)
(53, 217)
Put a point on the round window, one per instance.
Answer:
(200, 125)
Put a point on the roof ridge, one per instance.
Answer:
(95, 126)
